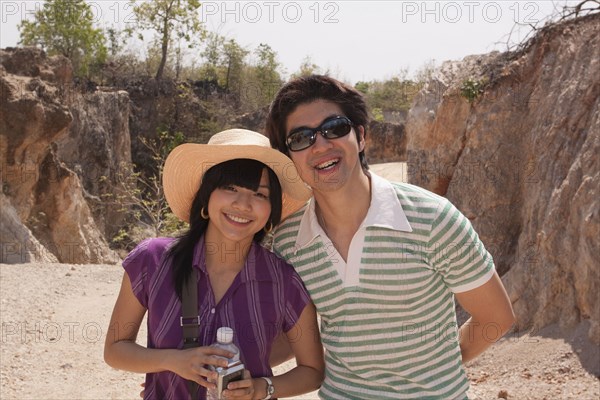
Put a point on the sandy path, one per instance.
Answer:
(54, 319)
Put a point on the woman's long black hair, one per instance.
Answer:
(241, 172)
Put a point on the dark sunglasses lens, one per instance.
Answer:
(299, 140)
(336, 128)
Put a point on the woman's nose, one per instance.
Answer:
(242, 201)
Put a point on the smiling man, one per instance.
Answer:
(383, 262)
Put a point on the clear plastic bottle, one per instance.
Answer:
(235, 371)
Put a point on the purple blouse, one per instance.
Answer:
(266, 297)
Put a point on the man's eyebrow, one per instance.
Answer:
(323, 120)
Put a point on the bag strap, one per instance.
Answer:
(190, 320)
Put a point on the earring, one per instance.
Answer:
(203, 213)
(269, 229)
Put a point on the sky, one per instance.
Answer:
(352, 40)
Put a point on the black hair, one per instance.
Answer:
(241, 172)
(311, 88)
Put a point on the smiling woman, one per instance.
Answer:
(232, 191)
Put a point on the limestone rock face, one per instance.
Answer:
(40, 192)
(98, 149)
(385, 142)
(522, 163)
(19, 245)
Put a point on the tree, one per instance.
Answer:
(425, 72)
(169, 18)
(266, 73)
(66, 27)
(307, 67)
(213, 54)
(233, 58)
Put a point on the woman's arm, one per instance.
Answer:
(491, 317)
(307, 376)
(281, 351)
(122, 352)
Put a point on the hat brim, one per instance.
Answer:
(186, 164)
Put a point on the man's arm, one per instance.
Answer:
(491, 317)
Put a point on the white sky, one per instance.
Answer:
(355, 40)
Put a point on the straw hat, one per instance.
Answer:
(186, 164)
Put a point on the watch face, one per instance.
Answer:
(270, 390)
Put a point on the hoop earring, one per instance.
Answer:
(268, 230)
(203, 213)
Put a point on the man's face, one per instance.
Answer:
(329, 164)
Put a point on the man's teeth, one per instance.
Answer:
(238, 219)
(327, 164)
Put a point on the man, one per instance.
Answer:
(383, 262)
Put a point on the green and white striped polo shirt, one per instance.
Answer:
(392, 334)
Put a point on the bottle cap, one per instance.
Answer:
(225, 334)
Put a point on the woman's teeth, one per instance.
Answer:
(237, 219)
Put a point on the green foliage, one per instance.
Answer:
(362, 87)
(471, 89)
(213, 55)
(233, 61)
(66, 27)
(377, 114)
(142, 196)
(395, 94)
(265, 79)
(224, 63)
(307, 68)
(170, 19)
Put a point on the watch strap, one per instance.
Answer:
(270, 388)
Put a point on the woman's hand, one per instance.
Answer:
(243, 389)
(193, 364)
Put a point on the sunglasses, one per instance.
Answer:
(332, 128)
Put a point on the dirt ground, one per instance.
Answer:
(54, 319)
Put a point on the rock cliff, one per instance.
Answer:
(98, 149)
(521, 161)
(44, 213)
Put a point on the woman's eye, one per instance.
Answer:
(229, 188)
(262, 195)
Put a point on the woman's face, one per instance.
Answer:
(236, 213)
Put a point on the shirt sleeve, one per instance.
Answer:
(456, 251)
(141, 263)
(297, 298)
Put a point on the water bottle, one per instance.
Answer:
(235, 369)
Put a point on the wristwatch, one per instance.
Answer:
(270, 388)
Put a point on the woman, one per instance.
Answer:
(232, 191)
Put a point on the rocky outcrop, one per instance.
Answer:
(98, 149)
(44, 199)
(386, 142)
(167, 106)
(521, 161)
(254, 121)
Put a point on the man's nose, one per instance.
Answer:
(321, 143)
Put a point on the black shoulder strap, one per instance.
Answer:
(190, 320)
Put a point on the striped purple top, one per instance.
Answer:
(265, 298)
